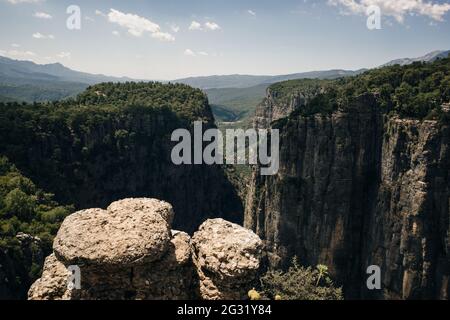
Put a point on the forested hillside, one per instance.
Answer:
(29, 219)
(416, 91)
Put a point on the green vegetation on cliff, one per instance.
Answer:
(413, 91)
(300, 283)
(26, 209)
(114, 141)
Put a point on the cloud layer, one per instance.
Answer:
(42, 15)
(395, 8)
(137, 26)
(207, 26)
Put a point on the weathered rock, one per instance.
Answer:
(121, 237)
(53, 284)
(357, 188)
(125, 252)
(144, 204)
(171, 278)
(227, 257)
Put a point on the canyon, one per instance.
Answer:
(363, 180)
(357, 187)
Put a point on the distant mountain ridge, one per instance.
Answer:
(430, 57)
(17, 69)
(29, 82)
(247, 81)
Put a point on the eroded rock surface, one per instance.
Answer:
(358, 188)
(227, 257)
(119, 237)
(129, 252)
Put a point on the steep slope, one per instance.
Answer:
(114, 142)
(29, 219)
(363, 180)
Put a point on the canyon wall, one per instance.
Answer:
(357, 188)
(90, 153)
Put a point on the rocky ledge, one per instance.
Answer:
(129, 251)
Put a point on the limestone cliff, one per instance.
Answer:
(357, 188)
(114, 142)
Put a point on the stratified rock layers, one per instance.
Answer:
(129, 252)
(359, 188)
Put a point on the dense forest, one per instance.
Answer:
(113, 141)
(27, 210)
(413, 91)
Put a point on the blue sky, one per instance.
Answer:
(173, 38)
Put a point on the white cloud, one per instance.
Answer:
(137, 25)
(195, 26)
(99, 13)
(251, 12)
(212, 26)
(39, 35)
(24, 1)
(397, 9)
(116, 33)
(17, 54)
(175, 28)
(15, 45)
(64, 55)
(164, 36)
(87, 18)
(42, 15)
(189, 52)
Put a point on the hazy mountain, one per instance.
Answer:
(17, 69)
(430, 57)
(28, 81)
(234, 104)
(247, 81)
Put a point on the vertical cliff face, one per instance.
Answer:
(357, 188)
(115, 142)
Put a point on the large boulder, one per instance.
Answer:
(162, 208)
(125, 252)
(129, 252)
(121, 237)
(227, 257)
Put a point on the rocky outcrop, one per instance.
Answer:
(227, 258)
(359, 188)
(129, 252)
(19, 266)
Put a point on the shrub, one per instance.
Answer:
(300, 283)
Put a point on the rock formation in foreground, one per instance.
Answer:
(130, 252)
(227, 258)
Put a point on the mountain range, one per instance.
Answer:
(233, 97)
(430, 57)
